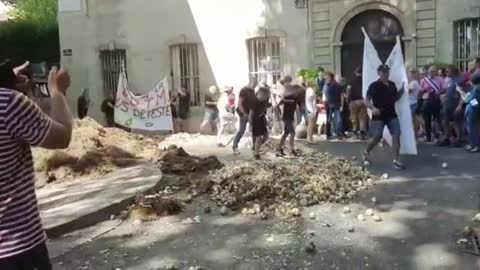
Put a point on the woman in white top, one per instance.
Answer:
(311, 110)
(413, 91)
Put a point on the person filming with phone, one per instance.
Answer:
(24, 125)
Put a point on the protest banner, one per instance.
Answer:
(398, 74)
(149, 112)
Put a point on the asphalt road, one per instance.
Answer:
(424, 208)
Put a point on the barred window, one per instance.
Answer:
(467, 45)
(264, 59)
(112, 62)
(184, 69)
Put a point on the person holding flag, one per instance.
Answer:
(380, 99)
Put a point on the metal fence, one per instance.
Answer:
(112, 62)
(184, 69)
(467, 45)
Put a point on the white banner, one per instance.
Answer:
(150, 112)
(371, 62)
(398, 75)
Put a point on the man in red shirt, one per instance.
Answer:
(23, 125)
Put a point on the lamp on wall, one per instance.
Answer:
(301, 3)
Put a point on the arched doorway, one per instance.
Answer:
(381, 26)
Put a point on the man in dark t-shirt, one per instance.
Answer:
(290, 102)
(381, 98)
(246, 100)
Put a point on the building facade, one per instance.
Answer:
(197, 43)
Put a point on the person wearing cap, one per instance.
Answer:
(381, 98)
(211, 110)
(472, 114)
(431, 87)
(358, 110)
(226, 116)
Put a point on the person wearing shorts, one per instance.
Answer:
(290, 102)
(258, 121)
(381, 98)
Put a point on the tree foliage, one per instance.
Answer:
(43, 13)
(31, 33)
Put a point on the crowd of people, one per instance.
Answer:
(443, 102)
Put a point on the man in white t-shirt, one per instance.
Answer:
(311, 110)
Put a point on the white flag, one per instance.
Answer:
(371, 62)
(398, 75)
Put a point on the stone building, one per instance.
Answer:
(197, 43)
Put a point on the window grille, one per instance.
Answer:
(112, 62)
(467, 45)
(184, 69)
(264, 59)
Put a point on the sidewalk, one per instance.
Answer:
(85, 202)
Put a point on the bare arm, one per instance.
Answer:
(60, 133)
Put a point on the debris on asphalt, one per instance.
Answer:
(351, 229)
(310, 248)
(326, 225)
(171, 267)
(346, 210)
(444, 165)
(285, 186)
(361, 217)
(374, 199)
(366, 163)
(152, 207)
(224, 210)
(385, 176)
(176, 161)
(311, 215)
(377, 218)
(196, 268)
(476, 217)
(369, 212)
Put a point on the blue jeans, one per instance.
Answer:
(334, 119)
(473, 129)
(241, 130)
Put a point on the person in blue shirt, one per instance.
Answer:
(451, 117)
(472, 114)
